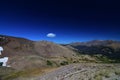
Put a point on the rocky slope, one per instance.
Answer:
(24, 53)
(83, 71)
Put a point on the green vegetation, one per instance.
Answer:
(97, 77)
(5, 72)
(49, 63)
(103, 59)
(103, 73)
(15, 74)
(117, 72)
(64, 63)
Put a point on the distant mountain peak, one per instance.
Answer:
(95, 42)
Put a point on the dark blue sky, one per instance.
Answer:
(70, 20)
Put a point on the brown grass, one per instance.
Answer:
(27, 73)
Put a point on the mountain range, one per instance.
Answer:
(108, 48)
(29, 58)
(24, 53)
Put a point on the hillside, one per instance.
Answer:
(24, 53)
(102, 48)
(31, 59)
(82, 71)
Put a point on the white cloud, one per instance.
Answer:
(51, 35)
